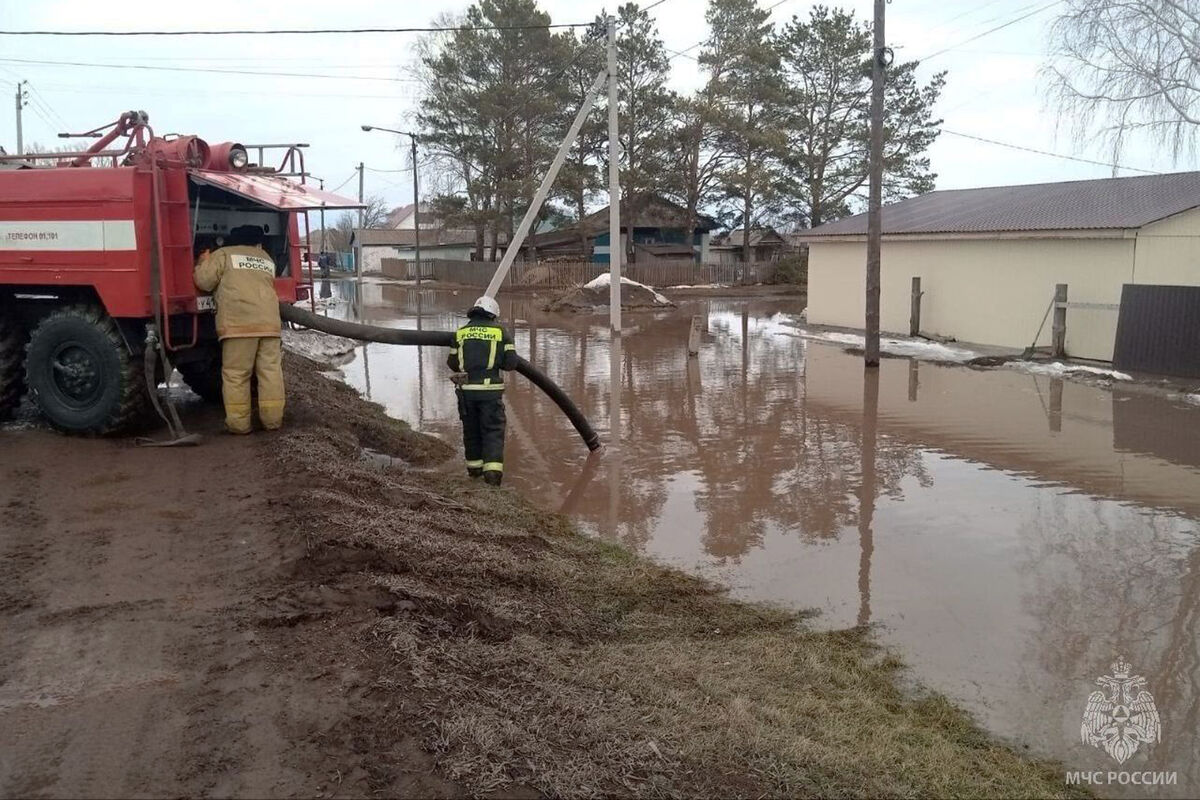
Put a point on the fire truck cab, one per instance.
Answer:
(97, 250)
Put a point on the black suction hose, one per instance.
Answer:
(367, 333)
(552, 390)
(372, 333)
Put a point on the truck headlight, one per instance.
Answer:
(238, 158)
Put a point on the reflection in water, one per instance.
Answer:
(615, 445)
(866, 495)
(582, 483)
(1009, 534)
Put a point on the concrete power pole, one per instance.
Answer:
(358, 244)
(615, 250)
(22, 96)
(875, 192)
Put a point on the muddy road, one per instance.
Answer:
(285, 616)
(144, 610)
(1010, 533)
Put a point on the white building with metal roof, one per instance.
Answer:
(989, 259)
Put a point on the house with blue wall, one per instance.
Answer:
(659, 232)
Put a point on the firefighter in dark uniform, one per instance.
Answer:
(482, 349)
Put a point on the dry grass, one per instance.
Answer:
(548, 660)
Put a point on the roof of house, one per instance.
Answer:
(392, 237)
(396, 215)
(758, 236)
(655, 212)
(401, 213)
(1070, 205)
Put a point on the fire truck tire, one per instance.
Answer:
(81, 376)
(12, 365)
(204, 376)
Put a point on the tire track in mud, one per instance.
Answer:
(132, 660)
(20, 546)
(23, 524)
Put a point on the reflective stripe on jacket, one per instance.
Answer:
(482, 349)
(242, 280)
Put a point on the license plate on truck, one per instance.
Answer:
(205, 302)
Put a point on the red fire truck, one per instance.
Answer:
(97, 250)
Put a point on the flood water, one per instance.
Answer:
(1009, 535)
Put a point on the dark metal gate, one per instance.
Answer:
(1158, 330)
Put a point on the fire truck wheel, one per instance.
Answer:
(203, 376)
(81, 375)
(12, 365)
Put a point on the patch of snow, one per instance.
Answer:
(912, 348)
(317, 345)
(319, 303)
(1194, 399)
(700, 286)
(605, 280)
(1058, 369)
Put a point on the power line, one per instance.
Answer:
(39, 104)
(975, 9)
(204, 69)
(198, 92)
(353, 175)
(990, 31)
(301, 31)
(1048, 153)
(45, 104)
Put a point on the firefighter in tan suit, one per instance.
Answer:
(242, 278)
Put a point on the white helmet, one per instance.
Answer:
(487, 305)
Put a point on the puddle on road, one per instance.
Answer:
(1009, 534)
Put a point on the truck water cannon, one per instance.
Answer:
(134, 125)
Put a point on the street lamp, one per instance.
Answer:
(416, 192)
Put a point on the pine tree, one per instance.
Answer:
(699, 155)
(645, 105)
(580, 180)
(827, 66)
(494, 93)
(749, 97)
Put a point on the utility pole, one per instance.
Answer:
(358, 244)
(879, 63)
(416, 193)
(22, 96)
(416, 211)
(615, 250)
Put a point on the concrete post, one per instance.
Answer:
(616, 250)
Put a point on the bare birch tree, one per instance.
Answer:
(1122, 67)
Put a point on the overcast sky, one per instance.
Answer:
(992, 90)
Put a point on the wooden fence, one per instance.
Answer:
(401, 269)
(564, 275)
